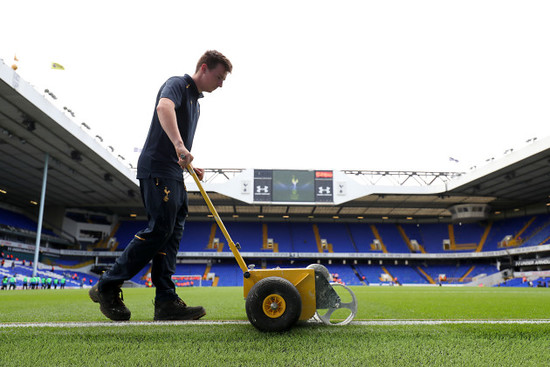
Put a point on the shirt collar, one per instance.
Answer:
(192, 85)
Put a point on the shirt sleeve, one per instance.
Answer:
(174, 90)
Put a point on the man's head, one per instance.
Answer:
(212, 68)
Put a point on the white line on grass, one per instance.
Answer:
(446, 322)
(121, 323)
(242, 322)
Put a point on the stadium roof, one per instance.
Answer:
(83, 174)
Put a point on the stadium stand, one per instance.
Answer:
(126, 231)
(371, 272)
(16, 220)
(391, 238)
(19, 225)
(362, 237)
(338, 237)
(281, 234)
(344, 274)
(324, 238)
(227, 274)
(303, 237)
(73, 279)
(249, 233)
(196, 237)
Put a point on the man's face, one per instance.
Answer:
(213, 78)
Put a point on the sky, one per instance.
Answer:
(362, 85)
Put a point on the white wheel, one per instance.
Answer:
(325, 315)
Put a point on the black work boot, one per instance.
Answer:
(110, 302)
(94, 293)
(177, 310)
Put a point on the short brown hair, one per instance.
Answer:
(212, 58)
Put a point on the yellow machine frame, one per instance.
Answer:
(302, 279)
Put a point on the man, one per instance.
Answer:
(13, 282)
(167, 151)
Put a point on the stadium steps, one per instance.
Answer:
(533, 238)
(104, 242)
(459, 246)
(147, 273)
(210, 245)
(379, 238)
(408, 241)
(318, 240)
(466, 274)
(388, 272)
(348, 230)
(112, 235)
(522, 231)
(540, 234)
(488, 280)
(425, 275)
(544, 241)
(265, 236)
(484, 237)
(516, 240)
(358, 275)
(212, 235)
(207, 270)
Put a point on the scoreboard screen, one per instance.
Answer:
(293, 186)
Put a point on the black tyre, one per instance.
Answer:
(273, 304)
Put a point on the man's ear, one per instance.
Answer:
(204, 67)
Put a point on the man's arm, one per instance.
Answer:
(168, 120)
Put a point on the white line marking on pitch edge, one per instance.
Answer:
(120, 323)
(242, 322)
(446, 322)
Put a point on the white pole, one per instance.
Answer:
(40, 216)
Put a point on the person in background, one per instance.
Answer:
(13, 282)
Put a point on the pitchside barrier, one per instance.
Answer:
(187, 280)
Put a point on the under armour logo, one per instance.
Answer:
(324, 190)
(262, 189)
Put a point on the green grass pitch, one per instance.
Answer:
(71, 331)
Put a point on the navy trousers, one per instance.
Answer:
(166, 205)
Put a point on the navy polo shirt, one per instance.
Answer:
(158, 157)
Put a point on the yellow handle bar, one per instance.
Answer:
(232, 245)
